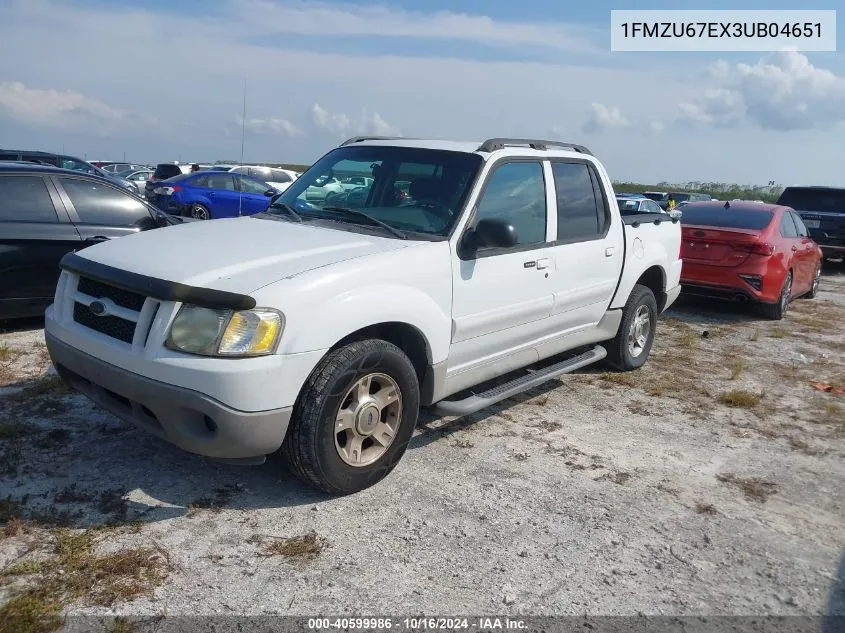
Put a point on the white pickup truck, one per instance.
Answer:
(316, 331)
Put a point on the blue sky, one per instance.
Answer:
(163, 80)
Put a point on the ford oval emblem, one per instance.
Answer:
(98, 308)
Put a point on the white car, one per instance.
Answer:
(323, 188)
(354, 182)
(323, 330)
(278, 178)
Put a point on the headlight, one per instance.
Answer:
(211, 332)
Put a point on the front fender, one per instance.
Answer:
(361, 307)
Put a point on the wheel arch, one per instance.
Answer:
(654, 278)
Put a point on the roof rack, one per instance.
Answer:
(358, 139)
(493, 144)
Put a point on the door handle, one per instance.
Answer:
(97, 238)
(543, 263)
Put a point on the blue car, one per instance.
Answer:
(206, 195)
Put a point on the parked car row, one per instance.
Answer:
(47, 212)
(65, 162)
(472, 245)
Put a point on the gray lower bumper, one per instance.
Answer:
(186, 418)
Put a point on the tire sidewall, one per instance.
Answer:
(786, 290)
(642, 296)
(374, 359)
(199, 206)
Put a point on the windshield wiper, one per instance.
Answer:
(367, 216)
(287, 209)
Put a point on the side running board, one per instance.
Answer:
(491, 396)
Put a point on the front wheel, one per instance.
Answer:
(354, 417)
(632, 344)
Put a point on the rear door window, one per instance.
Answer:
(221, 180)
(248, 185)
(100, 203)
(25, 199)
(787, 226)
(580, 204)
(799, 225)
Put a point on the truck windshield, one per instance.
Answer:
(410, 189)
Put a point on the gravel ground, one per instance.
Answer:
(712, 481)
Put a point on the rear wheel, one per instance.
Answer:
(199, 212)
(814, 289)
(776, 311)
(632, 344)
(354, 417)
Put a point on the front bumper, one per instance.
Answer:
(189, 419)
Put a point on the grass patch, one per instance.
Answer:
(549, 426)
(638, 407)
(221, 497)
(755, 335)
(47, 385)
(753, 487)
(619, 378)
(779, 332)
(705, 508)
(9, 354)
(737, 367)
(739, 398)
(688, 339)
(74, 572)
(307, 546)
(16, 430)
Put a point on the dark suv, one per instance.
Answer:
(823, 211)
(46, 212)
(163, 171)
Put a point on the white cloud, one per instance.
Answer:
(782, 91)
(341, 124)
(53, 106)
(419, 93)
(604, 117)
(327, 18)
(281, 127)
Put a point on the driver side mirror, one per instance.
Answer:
(489, 233)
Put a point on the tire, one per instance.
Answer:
(775, 311)
(814, 289)
(625, 355)
(325, 457)
(199, 211)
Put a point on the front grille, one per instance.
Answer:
(112, 326)
(123, 298)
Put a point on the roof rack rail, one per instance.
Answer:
(492, 144)
(358, 139)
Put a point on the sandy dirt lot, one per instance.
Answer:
(712, 481)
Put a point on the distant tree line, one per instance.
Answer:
(719, 190)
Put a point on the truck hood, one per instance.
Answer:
(237, 254)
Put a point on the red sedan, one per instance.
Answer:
(747, 251)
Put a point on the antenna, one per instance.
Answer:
(243, 134)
